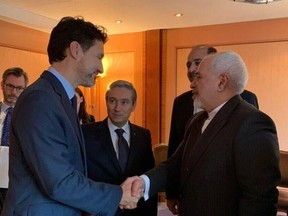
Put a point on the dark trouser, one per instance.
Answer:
(3, 192)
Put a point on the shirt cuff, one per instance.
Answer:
(147, 186)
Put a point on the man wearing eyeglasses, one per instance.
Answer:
(183, 107)
(14, 81)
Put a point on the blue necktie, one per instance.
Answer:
(74, 103)
(123, 149)
(6, 127)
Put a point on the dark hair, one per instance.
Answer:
(15, 71)
(83, 114)
(211, 50)
(123, 84)
(71, 29)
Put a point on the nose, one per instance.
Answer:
(14, 91)
(100, 69)
(193, 67)
(116, 106)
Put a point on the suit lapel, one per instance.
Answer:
(72, 116)
(219, 120)
(133, 147)
(109, 148)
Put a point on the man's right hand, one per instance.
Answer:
(129, 200)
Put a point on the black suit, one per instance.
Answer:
(183, 110)
(231, 169)
(103, 165)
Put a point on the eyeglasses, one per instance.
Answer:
(11, 87)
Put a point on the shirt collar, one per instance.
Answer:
(214, 111)
(67, 86)
(4, 106)
(113, 127)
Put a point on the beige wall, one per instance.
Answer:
(263, 46)
(23, 47)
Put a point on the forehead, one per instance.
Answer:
(197, 53)
(204, 67)
(16, 81)
(120, 93)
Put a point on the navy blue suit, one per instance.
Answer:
(103, 165)
(47, 166)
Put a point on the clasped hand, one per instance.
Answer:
(133, 189)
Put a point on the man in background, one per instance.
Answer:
(14, 81)
(183, 107)
(107, 160)
(47, 159)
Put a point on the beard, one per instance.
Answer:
(198, 105)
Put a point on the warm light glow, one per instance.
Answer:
(118, 21)
(106, 66)
(178, 15)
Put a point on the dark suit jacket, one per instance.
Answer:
(103, 164)
(183, 110)
(47, 165)
(232, 169)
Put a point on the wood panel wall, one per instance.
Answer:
(152, 61)
(262, 44)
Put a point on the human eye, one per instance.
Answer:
(20, 88)
(197, 62)
(111, 100)
(10, 86)
(125, 102)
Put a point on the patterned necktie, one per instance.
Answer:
(122, 148)
(6, 127)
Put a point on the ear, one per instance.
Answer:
(75, 49)
(223, 82)
(2, 85)
(134, 106)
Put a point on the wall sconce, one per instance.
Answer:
(256, 1)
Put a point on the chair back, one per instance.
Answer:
(160, 152)
(284, 168)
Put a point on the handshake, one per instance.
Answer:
(133, 190)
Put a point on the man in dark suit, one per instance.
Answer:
(103, 154)
(227, 164)
(183, 108)
(47, 161)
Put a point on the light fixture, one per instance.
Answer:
(178, 14)
(118, 21)
(256, 1)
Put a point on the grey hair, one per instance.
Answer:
(123, 84)
(232, 64)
